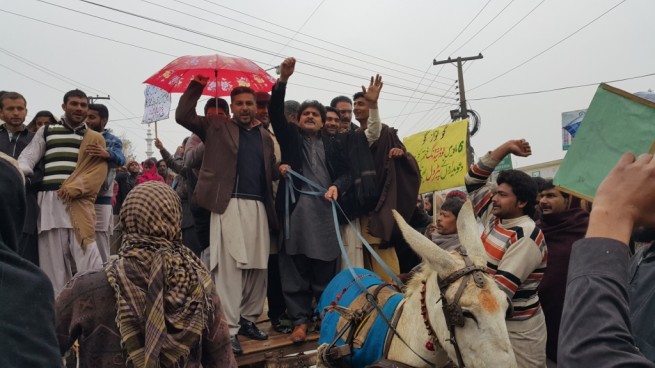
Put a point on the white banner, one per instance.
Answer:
(157, 106)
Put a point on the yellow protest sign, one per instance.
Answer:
(441, 155)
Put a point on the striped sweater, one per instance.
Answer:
(516, 249)
(62, 146)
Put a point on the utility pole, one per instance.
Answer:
(93, 99)
(463, 112)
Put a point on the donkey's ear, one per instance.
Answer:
(469, 235)
(438, 258)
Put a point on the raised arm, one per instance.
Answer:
(185, 114)
(171, 162)
(281, 126)
(374, 123)
(477, 176)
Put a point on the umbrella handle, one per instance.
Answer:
(156, 135)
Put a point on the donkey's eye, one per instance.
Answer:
(468, 314)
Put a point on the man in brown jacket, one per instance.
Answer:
(234, 183)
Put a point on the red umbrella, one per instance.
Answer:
(225, 73)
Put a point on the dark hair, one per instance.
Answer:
(217, 102)
(11, 96)
(185, 140)
(357, 95)
(548, 184)
(101, 109)
(454, 201)
(541, 182)
(523, 187)
(75, 93)
(242, 89)
(150, 160)
(338, 99)
(43, 113)
(262, 98)
(291, 107)
(160, 161)
(312, 103)
(331, 109)
(430, 198)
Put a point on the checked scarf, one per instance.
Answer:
(163, 292)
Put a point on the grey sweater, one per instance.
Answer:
(595, 329)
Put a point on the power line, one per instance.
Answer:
(512, 27)
(88, 34)
(483, 27)
(504, 33)
(507, 31)
(560, 88)
(167, 54)
(548, 48)
(62, 78)
(44, 84)
(264, 51)
(327, 57)
(36, 80)
(348, 56)
(439, 72)
(301, 27)
(307, 35)
(463, 29)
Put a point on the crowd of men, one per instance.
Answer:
(244, 209)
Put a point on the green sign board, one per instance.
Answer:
(616, 122)
(505, 164)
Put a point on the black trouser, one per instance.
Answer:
(407, 259)
(201, 220)
(304, 279)
(28, 247)
(276, 305)
(201, 216)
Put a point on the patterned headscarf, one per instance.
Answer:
(163, 292)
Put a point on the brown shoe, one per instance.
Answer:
(299, 333)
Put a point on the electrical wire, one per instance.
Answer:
(221, 39)
(300, 28)
(483, 27)
(559, 88)
(322, 56)
(87, 33)
(439, 53)
(35, 80)
(548, 48)
(63, 78)
(250, 16)
(167, 54)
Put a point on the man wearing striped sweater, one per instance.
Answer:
(66, 237)
(516, 250)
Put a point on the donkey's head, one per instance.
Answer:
(482, 338)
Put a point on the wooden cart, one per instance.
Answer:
(278, 351)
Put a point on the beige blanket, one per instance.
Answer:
(80, 190)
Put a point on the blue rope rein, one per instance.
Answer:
(319, 191)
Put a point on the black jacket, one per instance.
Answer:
(290, 138)
(14, 147)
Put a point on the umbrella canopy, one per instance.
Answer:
(224, 72)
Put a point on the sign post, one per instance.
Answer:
(441, 154)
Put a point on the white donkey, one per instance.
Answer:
(475, 311)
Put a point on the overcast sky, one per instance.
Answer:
(528, 45)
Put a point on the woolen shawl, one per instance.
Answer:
(163, 292)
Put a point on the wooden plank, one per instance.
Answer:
(278, 345)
